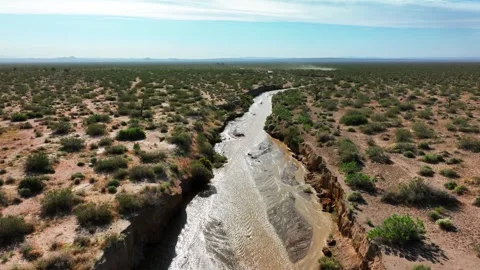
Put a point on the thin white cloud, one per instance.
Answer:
(387, 13)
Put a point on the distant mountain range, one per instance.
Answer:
(73, 59)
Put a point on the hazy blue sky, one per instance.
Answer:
(239, 28)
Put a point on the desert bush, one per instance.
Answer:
(200, 172)
(81, 241)
(38, 163)
(355, 197)
(117, 150)
(72, 144)
(445, 224)
(62, 128)
(422, 131)
(57, 202)
(96, 130)
(120, 174)
(128, 203)
(91, 214)
(449, 173)
(360, 181)
(398, 229)
(350, 167)
(110, 165)
(140, 173)
(105, 141)
(434, 215)
(131, 134)
(470, 144)
(377, 155)
(476, 202)
(426, 171)
(354, 118)
(30, 186)
(77, 175)
(450, 185)
(97, 118)
(348, 151)
(417, 193)
(403, 135)
(460, 190)
(18, 117)
(421, 267)
(373, 128)
(432, 158)
(13, 228)
(152, 157)
(329, 263)
(61, 261)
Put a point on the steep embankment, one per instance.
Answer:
(325, 183)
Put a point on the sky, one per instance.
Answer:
(239, 28)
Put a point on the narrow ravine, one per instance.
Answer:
(257, 213)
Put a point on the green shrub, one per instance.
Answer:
(128, 203)
(476, 202)
(373, 128)
(57, 202)
(421, 267)
(470, 144)
(422, 131)
(159, 170)
(350, 167)
(72, 144)
(449, 173)
(13, 228)
(354, 118)
(434, 215)
(377, 155)
(200, 172)
(61, 261)
(38, 163)
(120, 174)
(97, 118)
(348, 151)
(62, 128)
(424, 146)
(329, 263)
(417, 193)
(450, 185)
(30, 186)
(96, 130)
(113, 183)
(360, 181)
(182, 140)
(110, 165)
(112, 189)
(460, 190)
(18, 117)
(445, 223)
(426, 171)
(131, 134)
(408, 154)
(355, 197)
(91, 214)
(398, 229)
(105, 141)
(403, 135)
(117, 150)
(77, 175)
(140, 173)
(432, 158)
(152, 157)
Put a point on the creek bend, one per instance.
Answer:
(255, 213)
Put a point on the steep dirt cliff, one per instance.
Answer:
(323, 180)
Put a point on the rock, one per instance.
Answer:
(331, 242)
(327, 252)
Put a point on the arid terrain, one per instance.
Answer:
(403, 140)
(87, 150)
